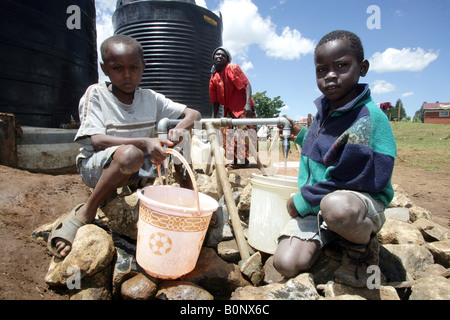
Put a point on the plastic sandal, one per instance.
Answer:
(65, 230)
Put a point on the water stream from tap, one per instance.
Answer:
(191, 175)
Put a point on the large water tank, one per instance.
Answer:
(48, 55)
(178, 38)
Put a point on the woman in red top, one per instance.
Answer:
(230, 87)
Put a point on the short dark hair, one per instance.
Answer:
(355, 42)
(119, 38)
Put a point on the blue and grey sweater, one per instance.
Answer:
(352, 149)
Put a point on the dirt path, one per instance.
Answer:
(29, 200)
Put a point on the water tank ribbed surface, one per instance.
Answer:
(46, 67)
(178, 38)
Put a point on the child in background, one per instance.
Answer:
(345, 171)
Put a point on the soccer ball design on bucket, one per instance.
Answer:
(160, 243)
(171, 229)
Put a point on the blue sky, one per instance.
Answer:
(274, 40)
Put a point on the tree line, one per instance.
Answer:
(267, 107)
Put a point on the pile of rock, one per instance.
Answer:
(414, 259)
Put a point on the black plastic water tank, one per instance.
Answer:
(46, 66)
(178, 38)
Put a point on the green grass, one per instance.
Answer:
(423, 146)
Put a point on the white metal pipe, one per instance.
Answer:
(164, 124)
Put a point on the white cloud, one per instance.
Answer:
(285, 108)
(246, 66)
(243, 26)
(406, 59)
(105, 9)
(201, 3)
(407, 94)
(289, 46)
(382, 86)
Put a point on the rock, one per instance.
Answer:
(42, 233)
(416, 212)
(245, 199)
(181, 290)
(92, 294)
(432, 231)
(207, 186)
(223, 229)
(92, 251)
(271, 275)
(434, 270)
(215, 275)
(414, 258)
(229, 251)
(440, 251)
(236, 181)
(391, 266)
(125, 265)
(401, 214)
(348, 297)
(96, 287)
(401, 199)
(122, 214)
(431, 288)
(253, 269)
(299, 288)
(140, 287)
(399, 232)
(333, 289)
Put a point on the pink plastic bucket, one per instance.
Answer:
(171, 229)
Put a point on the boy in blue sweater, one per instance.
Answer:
(345, 172)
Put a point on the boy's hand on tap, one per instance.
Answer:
(177, 135)
(295, 129)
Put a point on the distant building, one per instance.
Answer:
(437, 113)
(305, 121)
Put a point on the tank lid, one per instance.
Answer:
(121, 3)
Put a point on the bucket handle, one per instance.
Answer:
(191, 175)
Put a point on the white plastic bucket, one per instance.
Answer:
(268, 213)
(171, 229)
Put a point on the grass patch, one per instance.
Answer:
(424, 146)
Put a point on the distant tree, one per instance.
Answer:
(267, 107)
(393, 113)
(420, 114)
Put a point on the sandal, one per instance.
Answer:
(65, 230)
